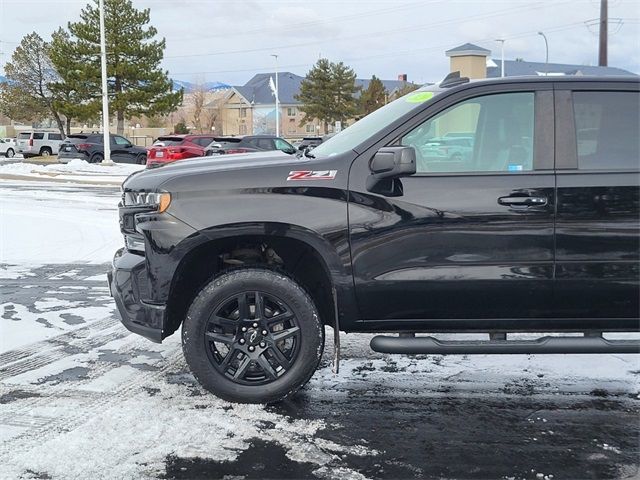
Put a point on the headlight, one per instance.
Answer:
(160, 201)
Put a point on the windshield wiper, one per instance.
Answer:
(308, 155)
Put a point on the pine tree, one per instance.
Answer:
(26, 95)
(137, 85)
(373, 97)
(408, 87)
(327, 93)
(73, 96)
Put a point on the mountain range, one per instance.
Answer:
(177, 84)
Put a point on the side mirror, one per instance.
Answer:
(393, 162)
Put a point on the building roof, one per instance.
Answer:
(467, 49)
(257, 90)
(517, 68)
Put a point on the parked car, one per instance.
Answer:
(38, 143)
(90, 147)
(247, 144)
(253, 256)
(442, 153)
(309, 142)
(7, 147)
(169, 148)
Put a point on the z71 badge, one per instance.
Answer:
(312, 175)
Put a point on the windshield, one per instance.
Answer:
(355, 134)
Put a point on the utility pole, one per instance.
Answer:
(105, 92)
(277, 98)
(501, 40)
(546, 55)
(604, 22)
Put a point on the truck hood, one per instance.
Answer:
(152, 178)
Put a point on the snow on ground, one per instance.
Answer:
(56, 225)
(76, 171)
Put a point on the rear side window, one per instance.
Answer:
(169, 141)
(265, 144)
(202, 141)
(55, 136)
(37, 136)
(607, 130)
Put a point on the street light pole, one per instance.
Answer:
(277, 98)
(501, 40)
(546, 57)
(105, 92)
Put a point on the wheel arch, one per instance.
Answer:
(306, 256)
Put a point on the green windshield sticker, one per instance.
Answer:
(419, 97)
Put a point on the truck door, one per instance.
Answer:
(470, 235)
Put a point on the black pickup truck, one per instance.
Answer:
(532, 225)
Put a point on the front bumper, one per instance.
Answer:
(128, 285)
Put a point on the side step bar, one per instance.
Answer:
(587, 344)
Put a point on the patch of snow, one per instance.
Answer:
(80, 228)
(14, 272)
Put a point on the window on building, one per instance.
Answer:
(291, 111)
(607, 130)
(242, 112)
(310, 128)
(492, 133)
(243, 129)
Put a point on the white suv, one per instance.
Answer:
(32, 144)
(7, 147)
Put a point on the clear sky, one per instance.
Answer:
(230, 40)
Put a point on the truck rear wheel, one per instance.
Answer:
(252, 336)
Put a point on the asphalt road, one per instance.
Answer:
(88, 399)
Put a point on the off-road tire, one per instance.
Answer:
(45, 152)
(232, 283)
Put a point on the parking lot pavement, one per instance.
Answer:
(80, 397)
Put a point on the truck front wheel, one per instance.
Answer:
(252, 336)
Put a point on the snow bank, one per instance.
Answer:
(76, 169)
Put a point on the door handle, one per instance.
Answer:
(523, 201)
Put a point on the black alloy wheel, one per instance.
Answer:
(252, 338)
(252, 335)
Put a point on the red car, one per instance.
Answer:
(177, 147)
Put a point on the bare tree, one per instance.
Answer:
(198, 100)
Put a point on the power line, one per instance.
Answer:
(368, 34)
(396, 53)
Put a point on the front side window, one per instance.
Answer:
(492, 133)
(120, 140)
(283, 145)
(607, 130)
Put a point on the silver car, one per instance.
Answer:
(39, 143)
